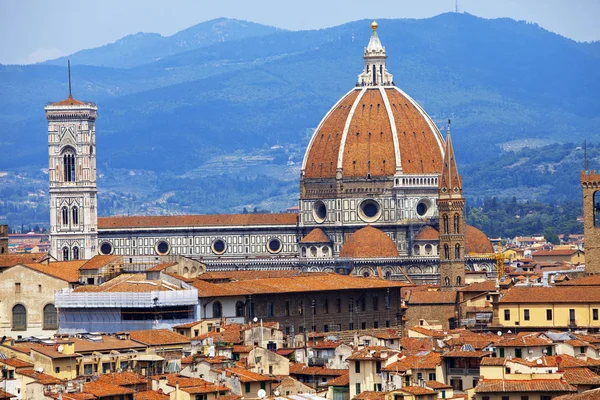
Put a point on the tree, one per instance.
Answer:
(551, 236)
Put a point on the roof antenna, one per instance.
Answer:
(69, 68)
(586, 163)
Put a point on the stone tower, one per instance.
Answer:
(72, 175)
(451, 205)
(3, 239)
(590, 183)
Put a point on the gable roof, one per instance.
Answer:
(157, 337)
(557, 294)
(10, 260)
(534, 385)
(67, 271)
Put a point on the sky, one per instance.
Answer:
(37, 30)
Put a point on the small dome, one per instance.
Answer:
(369, 242)
(316, 236)
(428, 233)
(478, 242)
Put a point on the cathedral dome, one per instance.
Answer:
(375, 130)
(368, 242)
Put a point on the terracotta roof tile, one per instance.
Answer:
(107, 343)
(10, 260)
(325, 344)
(303, 369)
(15, 362)
(476, 242)
(123, 378)
(5, 395)
(558, 294)
(316, 236)
(298, 284)
(342, 380)
(557, 252)
(535, 385)
(527, 340)
(197, 220)
(161, 267)
(430, 360)
(99, 261)
(437, 385)
(104, 389)
(592, 280)
(593, 394)
(485, 286)
(230, 333)
(248, 376)
(368, 242)
(159, 337)
(41, 377)
(581, 376)
(150, 395)
(416, 344)
(65, 270)
(225, 276)
(467, 354)
(372, 353)
(428, 233)
(368, 395)
(129, 283)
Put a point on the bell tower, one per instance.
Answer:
(451, 205)
(590, 183)
(72, 175)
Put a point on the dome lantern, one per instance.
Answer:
(375, 72)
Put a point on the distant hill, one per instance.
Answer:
(170, 105)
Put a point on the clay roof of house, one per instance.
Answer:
(416, 344)
(41, 377)
(325, 344)
(161, 267)
(99, 261)
(534, 385)
(588, 338)
(557, 294)
(592, 280)
(466, 354)
(432, 297)
(369, 395)
(157, 337)
(428, 332)
(421, 360)
(437, 385)
(187, 325)
(123, 378)
(316, 236)
(372, 353)
(5, 395)
(78, 396)
(192, 385)
(150, 395)
(10, 260)
(130, 283)
(593, 394)
(104, 389)
(485, 286)
(389, 334)
(525, 340)
(248, 376)
(107, 343)
(243, 349)
(67, 271)
(556, 252)
(227, 333)
(303, 369)
(492, 361)
(51, 351)
(368, 144)
(581, 376)
(15, 362)
(568, 361)
(314, 282)
(368, 242)
(417, 390)
(197, 220)
(342, 380)
(218, 276)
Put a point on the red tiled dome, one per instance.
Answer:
(375, 130)
(477, 242)
(369, 242)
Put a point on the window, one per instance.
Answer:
(270, 309)
(572, 316)
(518, 352)
(432, 376)
(363, 325)
(200, 397)
(57, 370)
(457, 384)
(350, 305)
(387, 323)
(526, 315)
(239, 309)
(446, 231)
(377, 366)
(65, 253)
(87, 369)
(446, 253)
(375, 303)
(544, 397)
(358, 388)
(507, 315)
(501, 352)
(351, 326)
(457, 251)
(69, 165)
(325, 306)
(475, 381)
(456, 223)
(75, 253)
(301, 308)
(458, 281)
(549, 350)
(505, 397)
(263, 385)
(338, 305)
(376, 325)
(549, 315)
(75, 215)
(357, 367)
(50, 317)
(19, 318)
(17, 287)
(217, 309)
(65, 216)
(247, 387)
(595, 314)
(524, 397)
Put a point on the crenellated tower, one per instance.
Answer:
(451, 205)
(72, 175)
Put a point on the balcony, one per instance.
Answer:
(463, 371)
(317, 362)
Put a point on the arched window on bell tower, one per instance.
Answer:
(445, 219)
(457, 251)
(456, 223)
(597, 209)
(75, 253)
(446, 252)
(64, 216)
(446, 281)
(69, 165)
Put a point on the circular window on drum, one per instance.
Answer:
(106, 248)
(424, 208)
(319, 211)
(162, 247)
(369, 210)
(274, 246)
(219, 246)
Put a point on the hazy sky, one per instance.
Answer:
(36, 30)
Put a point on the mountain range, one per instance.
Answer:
(179, 106)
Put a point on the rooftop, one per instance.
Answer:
(558, 294)
(159, 337)
(196, 220)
